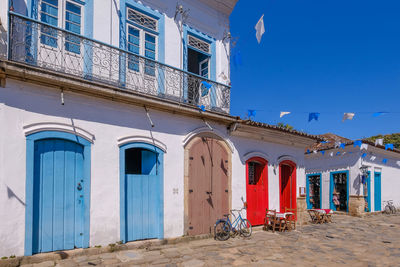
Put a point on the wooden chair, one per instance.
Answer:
(291, 219)
(316, 217)
(272, 221)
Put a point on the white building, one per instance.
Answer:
(362, 175)
(115, 126)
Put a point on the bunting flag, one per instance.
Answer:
(377, 114)
(348, 116)
(398, 162)
(237, 59)
(389, 146)
(357, 143)
(337, 153)
(331, 154)
(205, 88)
(342, 145)
(324, 142)
(260, 28)
(364, 146)
(364, 155)
(308, 151)
(379, 141)
(384, 161)
(251, 113)
(315, 151)
(283, 113)
(202, 107)
(373, 158)
(322, 152)
(337, 144)
(313, 116)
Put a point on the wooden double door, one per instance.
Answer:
(208, 196)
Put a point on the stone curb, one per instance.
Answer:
(70, 254)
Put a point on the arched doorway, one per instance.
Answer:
(141, 189)
(207, 183)
(287, 185)
(256, 189)
(57, 192)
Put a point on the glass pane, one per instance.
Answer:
(73, 8)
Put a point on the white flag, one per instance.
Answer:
(379, 142)
(348, 116)
(283, 113)
(260, 29)
(398, 162)
(364, 146)
(373, 157)
(331, 154)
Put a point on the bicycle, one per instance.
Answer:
(224, 227)
(389, 208)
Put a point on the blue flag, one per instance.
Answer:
(342, 145)
(384, 161)
(313, 116)
(237, 59)
(324, 142)
(364, 155)
(387, 146)
(202, 107)
(377, 114)
(357, 143)
(322, 152)
(251, 113)
(308, 151)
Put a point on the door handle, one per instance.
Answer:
(79, 187)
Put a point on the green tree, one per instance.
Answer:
(387, 139)
(285, 126)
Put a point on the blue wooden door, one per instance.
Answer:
(58, 193)
(143, 195)
(368, 198)
(377, 191)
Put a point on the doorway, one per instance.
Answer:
(287, 177)
(197, 63)
(256, 189)
(313, 191)
(339, 191)
(141, 189)
(207, 184)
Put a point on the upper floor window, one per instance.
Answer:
(71, 19)
(141, 40)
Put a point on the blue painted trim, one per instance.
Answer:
(309, 206)
(123, 4)
(378, 192)
(30, 150)
(122, 209)
(332, 207)
(369, 192)
(88, 32)
(213, 58)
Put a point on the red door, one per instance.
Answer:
(256, 189)
(287, 177)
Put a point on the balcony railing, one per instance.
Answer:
(42, 45)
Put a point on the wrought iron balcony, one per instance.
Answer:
(42, 45)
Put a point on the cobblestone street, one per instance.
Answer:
(370, 241)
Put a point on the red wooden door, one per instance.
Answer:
(208, 185)
(256, 189)
(287, 170)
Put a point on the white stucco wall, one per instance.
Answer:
(23, 104)
(390, 172)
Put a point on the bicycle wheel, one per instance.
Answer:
(388, 210)
(393, 210)
(222, 231)
(245, 228)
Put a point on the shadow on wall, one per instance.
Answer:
(11, 194)
(357, 184)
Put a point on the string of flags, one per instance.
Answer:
(361, 145)
(315, 116)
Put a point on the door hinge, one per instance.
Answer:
(190, 190)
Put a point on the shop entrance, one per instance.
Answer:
(339, 193)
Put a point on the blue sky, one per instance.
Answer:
(319, 56)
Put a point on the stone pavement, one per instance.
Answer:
(370, 241)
